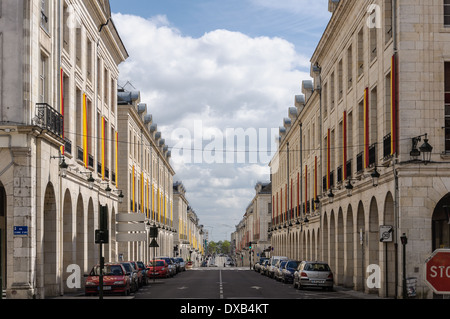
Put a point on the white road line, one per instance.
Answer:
(220, 285)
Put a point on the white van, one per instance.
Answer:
(273, 261)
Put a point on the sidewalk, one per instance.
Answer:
(357, 294)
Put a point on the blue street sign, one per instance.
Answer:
(20, 230)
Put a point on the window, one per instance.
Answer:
(350, 67)
(447, 107)
(447, 13)
(43, 79)
(44, 15)
(388, 20)
(66, 29)
(361, 52)
(78, 47)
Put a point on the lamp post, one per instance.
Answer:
(404, 241)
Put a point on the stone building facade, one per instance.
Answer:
(253, 228)
(59, 67)
(189, 240)
(146, 179)
(349, 178)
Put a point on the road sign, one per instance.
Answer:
(437, 271)
(386, 234)
(20, 230)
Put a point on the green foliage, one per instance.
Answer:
(220, 247)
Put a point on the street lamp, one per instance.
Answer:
(426, 149)
(404, 241)
(331, 197)
(349, 188)
(63, 166)
(375, 177)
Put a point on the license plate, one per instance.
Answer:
(317, 281)
(105, 288)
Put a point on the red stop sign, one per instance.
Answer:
(437, 271)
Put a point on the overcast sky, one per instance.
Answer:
(210, 70)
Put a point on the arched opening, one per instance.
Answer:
(325, 238)
(69, 253)
(332, 252)
(340, 247)
(3, 254)
(373, 250)
(349, 248)
(389, 248)
(80, 235)
(359, 249)
(441, 224)
(92, 258)
(50, 239)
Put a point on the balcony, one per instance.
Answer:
(49, 119)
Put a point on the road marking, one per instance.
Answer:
(220, 285)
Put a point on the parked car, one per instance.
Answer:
(259, 263)
(278, 269)
(287, 273)
(272, 264)
(177, 264)
(171, 265)
(140, 274)
(158, 269)
(115, 280)
(133, 275)
(182, 263)
(143, 268)
(313, 274)
(189, 265)
(264, 267)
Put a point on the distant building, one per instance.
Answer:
(254, 226)
(146, 180)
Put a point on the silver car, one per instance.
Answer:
(313, 274)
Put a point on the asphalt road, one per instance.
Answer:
(229, 283)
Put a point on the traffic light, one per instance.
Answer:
(250, 245)
(102, 234)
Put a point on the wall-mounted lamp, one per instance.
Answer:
(63, 166)
(426, 149)
(375, 177)
(349, 188)
(331, 197)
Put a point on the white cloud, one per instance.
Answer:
(227, 80)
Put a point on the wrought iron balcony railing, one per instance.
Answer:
(49, 119)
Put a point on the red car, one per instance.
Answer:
(140, 273)
(115, 280)
(160, 269)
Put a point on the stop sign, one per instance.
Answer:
(437, 271)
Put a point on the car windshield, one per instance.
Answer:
(140, 264)
(317, 267)
(108, 270)
(127, 267)
(292, 264)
